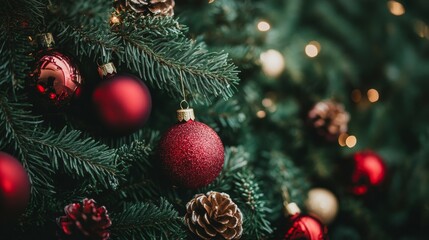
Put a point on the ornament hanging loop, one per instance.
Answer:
(290, 208)
(185, 113)
(184, 104)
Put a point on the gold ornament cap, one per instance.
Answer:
(106, 69)
(292, 209)
(184, 115)
(45, 40)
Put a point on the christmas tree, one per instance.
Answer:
(156, 119)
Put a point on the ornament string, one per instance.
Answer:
(183, 93)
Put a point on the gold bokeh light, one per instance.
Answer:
(351, 141)
(373, 95)
(263, 26)
(312, 49)
(396, 8)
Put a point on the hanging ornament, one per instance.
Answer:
(149, 7)
(123, 102)
(214, 216)
(369, 171)
(329, 118)
(300, 226)
(84, 221)
(14, 188)
(56, 77)
(191, 153)
(322, 204)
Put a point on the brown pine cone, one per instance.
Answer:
(329, 118)
(214, 216)
(150, 7)
(84, 221)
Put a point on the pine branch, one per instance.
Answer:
(223, 115)
(83, 157)
(136, 157)
(256, 225)
(96, 43)
(14, 58)
(43, 151)
(148, 221)
(17, 126)
(235, 160)
(285, 174)
(164, 60)
(22, 10)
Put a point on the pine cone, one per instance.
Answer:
(329, 118)
(150, 7)
(85, 221)
(214, 216)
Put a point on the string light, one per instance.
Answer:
(312, 49)
(351, 141)
(267, 102)
(421, 29)
(356, 95)
(261, 114)
(342, 139)
(272, 63)
(373, 95)
(396, 8)
(263, 26)
(114, 20)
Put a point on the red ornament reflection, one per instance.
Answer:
(369, 171)
(56, 77)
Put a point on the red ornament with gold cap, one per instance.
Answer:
(300, 226)
(56, 77)
(122, 101)
(191, 153)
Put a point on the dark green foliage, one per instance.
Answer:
(209, 47)
(148, 221)
(252, 204)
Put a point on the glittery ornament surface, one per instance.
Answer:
(57, 78)
(369, 171)
(123, 103)
(303, 227)
(192, 154)
(14, 188)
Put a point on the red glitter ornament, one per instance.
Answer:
(191, 153)
(56, 77)
(123, 102)
(369, 171)
(304, 227)
(14, 188)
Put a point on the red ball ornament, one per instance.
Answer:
(191, 153)
(369, 171)
(56, 77)
(14, 188)
(123, 102)
(304, 227)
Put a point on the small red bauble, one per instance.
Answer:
(192, 154)
(123, 103)
(304, 227)
(369, 170)
(14, 188)
(56, 77)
